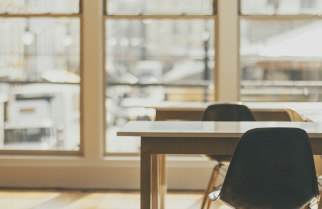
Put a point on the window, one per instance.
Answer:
(40, 74)
(155, 51)
(123, 22)
(281, 55)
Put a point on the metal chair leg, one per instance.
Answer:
(212, 183)
(216, 177)
(209, 203)
(205, 197)
(307, 206)
(320, 201)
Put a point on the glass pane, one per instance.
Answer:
(39, 6)
(32, 48)
(281, 60)
(281, 7)
(160, 6)
(38, 56)
(169, 53)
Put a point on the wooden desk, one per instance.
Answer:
(262, 111)
(194, 137)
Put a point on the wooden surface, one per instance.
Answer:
(155, 181)
(62, 199)
(255, 106)
(262, 111)
(196, 115)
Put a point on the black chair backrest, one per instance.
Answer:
(227, 112)
(271, 168)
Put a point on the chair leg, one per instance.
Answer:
(216, 177)
(212, 183)
(320, 201)
(307, 206)
(209, 203)
(205, 197)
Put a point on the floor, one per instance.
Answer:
(62, 199)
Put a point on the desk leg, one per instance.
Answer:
(145, 175)
(163, 180)
(155, 180)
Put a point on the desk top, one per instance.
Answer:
(254, 106)
(208, 129)
(312, 110)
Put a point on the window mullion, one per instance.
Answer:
(92, 129)
(226, 74)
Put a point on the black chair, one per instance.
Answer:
(228, 112)
(222, 112)
(271, 168)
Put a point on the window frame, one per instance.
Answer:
(78, 15)
(154, 17)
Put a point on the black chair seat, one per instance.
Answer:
(228, 112)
